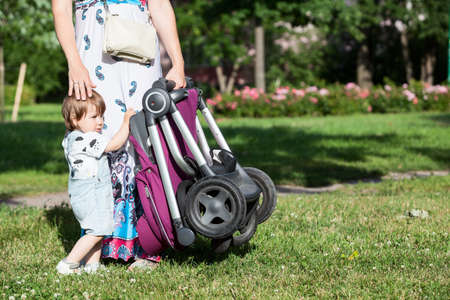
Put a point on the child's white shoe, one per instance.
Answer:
(64, 267)
(93, 268)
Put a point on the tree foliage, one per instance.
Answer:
(220, 33)
(27, 35)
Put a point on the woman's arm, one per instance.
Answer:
(163, 19)
(79, 80)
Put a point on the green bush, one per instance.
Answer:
(331, 100)
(28, 95)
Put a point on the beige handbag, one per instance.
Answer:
(127, 39)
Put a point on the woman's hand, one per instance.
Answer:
(177, 75)
(163, 18)
(80, 82)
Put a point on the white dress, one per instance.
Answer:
(122, 85)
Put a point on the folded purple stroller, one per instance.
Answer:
(185, 187)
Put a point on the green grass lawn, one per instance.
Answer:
(310, 151)
(354, 243)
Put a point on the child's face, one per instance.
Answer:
(91, 121)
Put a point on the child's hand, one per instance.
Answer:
(128, 114)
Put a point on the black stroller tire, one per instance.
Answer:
(181, 193)
(220, 246)
(246, 233)
(215, 207)
(269, 193)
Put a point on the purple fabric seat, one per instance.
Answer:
(154, 227)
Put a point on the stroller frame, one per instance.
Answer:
(158, 103)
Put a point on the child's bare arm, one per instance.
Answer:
(121, 136)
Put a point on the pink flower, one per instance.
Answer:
(324, 92)
(415, 101)
(311, 89)
(442, 89)
(254, 94)
(282, 90)
(237, 93)
(364, 94)
(313, 100)
(350, 86)
(219, 97)
(298, 93)
(369, 108)
(429, 90)
(278, 97)
(304, 40)
(409, 95)
(232, 105)
(387, 88)
(211, 102)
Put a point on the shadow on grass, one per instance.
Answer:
(289, 154)
(7, 198)
(32, 145)
(295, 155)
(442, 119)
(439, 155)
(201, 252)
(68, 228)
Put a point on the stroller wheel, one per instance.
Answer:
(180, 195)
(221, 245)
(246, 233)
(215, 207)
(268, 201)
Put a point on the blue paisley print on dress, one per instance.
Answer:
(122, 85)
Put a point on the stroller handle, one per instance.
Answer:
(168, 86)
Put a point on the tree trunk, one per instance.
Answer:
(363, 72)
(221, 79)
(232, 78)
(259, 58)
(226, 83)
(406, 58)
(2, 85)
(427, 67)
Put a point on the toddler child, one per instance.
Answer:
(90, 189)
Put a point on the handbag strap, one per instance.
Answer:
(106, 6)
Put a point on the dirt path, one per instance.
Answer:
(50, 200)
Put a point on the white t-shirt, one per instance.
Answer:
(82, 152)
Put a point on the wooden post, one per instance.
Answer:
(259, 59)
(2, 84)
(23, 69)
(448, 58)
